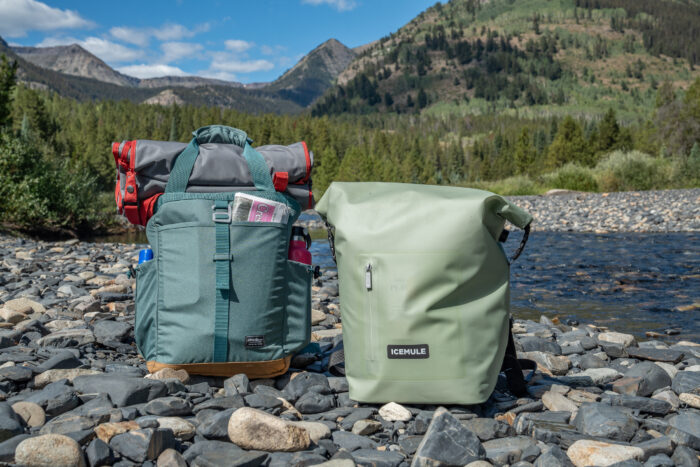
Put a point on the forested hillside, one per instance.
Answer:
(526, 58)
(615, 129)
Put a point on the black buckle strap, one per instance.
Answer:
(523, 241)
(331, 241)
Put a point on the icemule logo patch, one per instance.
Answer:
(408, 351)
(255, 341)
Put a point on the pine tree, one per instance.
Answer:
(356, 166)
(568, 145)
(327, 170)
(525, 152)
(608, 133)
(422, 99)
(8, 79)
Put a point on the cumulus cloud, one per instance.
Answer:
(222, 75)
(241, 66)
(106, 50)
(146, 70)
(340, 5)
(174, 32)
(173, 51)
(134, 36)
(237, 45)
(17, 17)
(272, 50)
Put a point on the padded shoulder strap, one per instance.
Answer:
(513, 367)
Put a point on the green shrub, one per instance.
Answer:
(40, 194)
(511, 186)
(572, 177)
(632, 171)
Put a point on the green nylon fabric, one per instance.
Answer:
(439, 277)
(269, 295)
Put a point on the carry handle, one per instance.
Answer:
(521, 247)
(519, 218)
(184, 163)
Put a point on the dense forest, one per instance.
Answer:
(58, 171)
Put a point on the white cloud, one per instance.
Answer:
(222, 75)
(131, 35)
(106, 50)
(241, 66)
(17, 17)
(237, 45)
(173, 51)
(174, 32)
(151, 70)
(340, 5)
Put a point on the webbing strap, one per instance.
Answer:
(259, 171)
(182, 168)
(222, 258)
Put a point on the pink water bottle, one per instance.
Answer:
(299, 246)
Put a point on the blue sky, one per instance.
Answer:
(246, 41)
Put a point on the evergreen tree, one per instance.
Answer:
(607, 135)
(356, 166)
(326, 171)
(525, 153)
(568, 145)
(422, 98)
(8, 79)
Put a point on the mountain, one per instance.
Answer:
(525, 57)
(314, 73)
(74, 60)
(74, 72)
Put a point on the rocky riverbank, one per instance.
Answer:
(631, 211)
(74, 391)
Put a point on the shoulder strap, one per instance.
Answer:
(513, 367)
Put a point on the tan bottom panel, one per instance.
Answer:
(254, 370)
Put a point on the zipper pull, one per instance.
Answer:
(368, 276)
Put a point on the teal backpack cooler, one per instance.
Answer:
(220, 296)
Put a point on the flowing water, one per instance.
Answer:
(631, 282)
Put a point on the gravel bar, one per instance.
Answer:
(74, 391)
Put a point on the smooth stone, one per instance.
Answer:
(10, 422)
(366, 427)
(557, 402)
(313, 402)
(553, 457)
(220, 403)
(586, 452)
(123, 390)
(589, 361)
(686, 381)
(668, 396)
(51, 376)
(304, 382)
(16, 374)
(357, 414)
(237, 384)
(601, 420)
(181, 428)
(511, 450)
(651, 377)
(215, 426)
(170, 373)
(691, 400)
(487, 428)
(50, 451)
(24, 305)
(143, 444)
(656, 355)
(393, 412)
(32, 414)
(62, 360)
(537, 344)
(600, 375)
(352, 442)
(107, 431)
(683, 456)
(317, 431)
(684, 429)
(107, 330)
(557, 365)
(625, 340)
(171, 458)
(643, 404)
(377, 458)
(219, 458)
(338, 384)
(11, 316)
(168, 406)
(661, 445)
(254, 429)
(447, 441)
(99, 453)
(68, 338)
(659, 460)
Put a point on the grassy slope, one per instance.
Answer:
(586, 97)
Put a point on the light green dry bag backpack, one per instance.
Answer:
(424, 290)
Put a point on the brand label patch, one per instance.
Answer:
(408, 351)
(255, 341)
